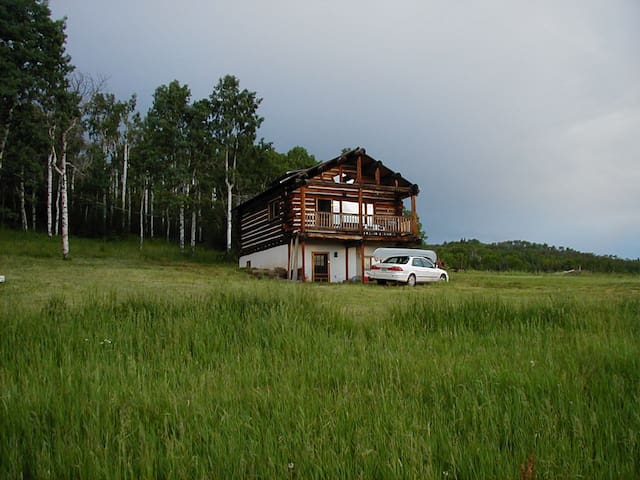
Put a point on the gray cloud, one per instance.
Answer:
(519, 120)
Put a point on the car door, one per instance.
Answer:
(419, 270)
(430, 271)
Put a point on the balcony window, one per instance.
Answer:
(351, 208)
(324, 205)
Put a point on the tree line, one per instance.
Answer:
(73, 157)
(523, 256)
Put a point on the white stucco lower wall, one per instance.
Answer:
(344, 262)
(276, 257)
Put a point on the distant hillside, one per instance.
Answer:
(520, 255)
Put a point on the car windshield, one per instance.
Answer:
(397, 260)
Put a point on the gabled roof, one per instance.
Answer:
(293, 179)
(347, 157)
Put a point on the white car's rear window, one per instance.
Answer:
(397, 260)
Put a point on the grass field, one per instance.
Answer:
(121, 364)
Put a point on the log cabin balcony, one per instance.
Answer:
(365, 225)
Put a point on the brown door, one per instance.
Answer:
(320, 267)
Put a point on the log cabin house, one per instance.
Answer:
(323, 223)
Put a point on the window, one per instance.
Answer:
(274, 209)
(351, 208)
(422, 262)
(397, 260)
(324, 205)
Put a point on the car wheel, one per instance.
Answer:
(443, 278)
(411, 281)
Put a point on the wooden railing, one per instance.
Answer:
(370, 224)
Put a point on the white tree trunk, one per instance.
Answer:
(64, 217)
(194, 220)
(229, 184)
(116, 186)
(193, 230)
(142, 217)
(182, 227)
(151, 219)
(115, 192)
(56, 227)
(23, 205)
(168, 224)
(5, 135)
(50, 161)
(33, 209)
(146, 201)
(125, 166)
(200, 217)
(229, 200)
(104, 211)
(129, 213)
(63, 210)
(72, 183)
(64, 227)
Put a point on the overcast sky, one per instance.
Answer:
(519, 120)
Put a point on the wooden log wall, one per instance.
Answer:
(258, 231)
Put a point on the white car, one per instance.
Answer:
(407, 269)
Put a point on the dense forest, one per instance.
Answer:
(73, 157)
(523, 256)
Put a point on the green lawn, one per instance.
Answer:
(122, 364)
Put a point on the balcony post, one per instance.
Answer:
(362, 260)
(303, 219)
(414, 217)
(360, 226)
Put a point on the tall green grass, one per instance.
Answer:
(156, 364)
(38, 245)
(276, 380)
